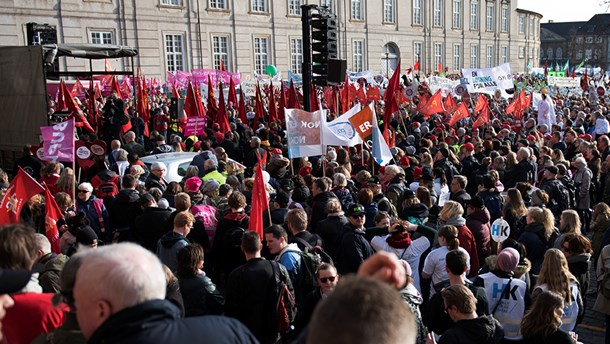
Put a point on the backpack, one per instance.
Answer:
(286, 306)
(398, 189)
(309, 265)
(392, 211)
(571, 188)
(563, 199)
(317, 250)
(105, 189)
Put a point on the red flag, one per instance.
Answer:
(201, 110)
(313, 98)
(546, 67)
(481, 105)
(259, 110)
(260, 202)
(222, 65)
(98, 92)
(416, 66)
(345, 95)
(190, 103)
(242, 108)
(175, 91)
(52, 215)
(222, 117)
(373, 93)
(212, 107)
(272, 104)
(293, 100)
(21, 189)
(450, 105)
(439, 68)
(61, 97)
(459, 114)
(116, 87)
(528, 102)
(143, 107)
(389, 97)
(282, 104)
(573, 73)
(78, 89)
(232, 95)
(584, 82)
(482, 119)
(517, 103)
(125, 88)
(361, 95)
(75, 111)
(433, 105)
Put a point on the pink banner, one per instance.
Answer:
(58, 141)
(200, 76)
(195, 126)
(170, 78)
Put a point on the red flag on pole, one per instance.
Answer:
(260, 202)
(116, 87)
(389, 97)
(75, 111)
(313, 98)
(433, 105)
(212, 107)
(517, 104)
(345, 95)
(61, 97)
(293, 99)
(450, 105)
(416, 66)
(259, 110)
(52, 215)
(459, 114)
(272, 105)
(21, 189)
(482, 119)
(282, 104)
(481, 105)
(199, 102)
(584, 82)
(175, 91)
(190, 103)
(223, 119)
(232, 95)
(242, 108)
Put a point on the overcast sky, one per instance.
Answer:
(564, 10)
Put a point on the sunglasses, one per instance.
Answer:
(325, 279)
(357, 216)
(82, 191)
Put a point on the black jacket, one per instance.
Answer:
(330, 230)
(353, 250)
(484, 329)
(124, 209)
(159, 321)
(200, 296)
(522, 172)
(461, 197)
(318, 209)
(154, 182)
(149, 227)
(535, 245)
(232, 149)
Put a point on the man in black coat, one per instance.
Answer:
(331, 228)
(124, 208)
(231, 147)
(250, 291)
(134, 310)
(353, 247)
(149, 227)
(321, 195)
(522, 172)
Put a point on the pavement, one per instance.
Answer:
(592, 330)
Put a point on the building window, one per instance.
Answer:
(598, 39)
(559, 54)
(521, 24)
(417, 48)
(490, 56)
(589, 40)
(531, 56)
(220, 51)
(259, 6)
(417, 12)
(597, 54)
(521, 52)
(505, 19)
(101, 37)
(579, 40)
(358, 56)
(171, 2)
(531, 27)
(174, 52)
(474, 56)
(219, 4)
(588, 54)
(457, 57)
(474, 15)
(505, 56)
(457, 14)
(388, 11)
(438, 54)
(490, 22)
(330, 4)
(261, 54)
(296, 55)
(357, 9)
(294, 7)
(438, 14)
(579, 54)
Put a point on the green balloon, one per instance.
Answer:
(271, 70)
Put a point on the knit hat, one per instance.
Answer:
(469, 147)
(444, 152)
(211, 185)
(192, 184)
(508, 259)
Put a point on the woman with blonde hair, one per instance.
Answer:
(514, 212)
(452, 214)
(555, 276)
(538, 235)
(435, 265)
(542, 323)
(569, 222)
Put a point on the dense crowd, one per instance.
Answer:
(147, 259)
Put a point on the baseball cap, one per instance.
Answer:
(12, 281)
(408, 194)
(469, 147)
(355, 209)
(374, 180)
(286, 184)
(552, 169)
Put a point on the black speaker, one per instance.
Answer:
(176, 108)
(336, 70)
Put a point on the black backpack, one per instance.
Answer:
(309, 265)
(571, 188)
(398, 189)
(286, 306)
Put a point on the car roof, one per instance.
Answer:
(168, 157)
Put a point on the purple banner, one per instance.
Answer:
(200, 76)
(195, 126)
(58, 141)
(170, 78)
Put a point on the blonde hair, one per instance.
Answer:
(544, 216)
(571, 222)
(556, 274)
(450, 209)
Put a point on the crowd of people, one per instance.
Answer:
(402, 253)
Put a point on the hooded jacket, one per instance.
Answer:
(484, 329)
(124, 209)
(478, 223)
(467, 242)
(330, 230)
(168, 247)
(49, 277)
(149, 227)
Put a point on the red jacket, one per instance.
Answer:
(32, 315)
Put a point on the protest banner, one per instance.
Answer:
(249, 87)
(340, 131)
(367, 75)
(555, 81)
(194, 126)
(488, 80)
(363, 123)
(58, 141)
(445, 85)
(303, 133)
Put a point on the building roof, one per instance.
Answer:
(521, 10)
(598, 24)
(565, 29)
(548, 36)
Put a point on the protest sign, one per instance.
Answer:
(58, 141)
(340, 131)
(563, 82)
(445, 85)
(194, 126)
(249, 87)
(303, 133)
(363, 123)
(488, 80)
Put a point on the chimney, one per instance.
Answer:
(551, 21)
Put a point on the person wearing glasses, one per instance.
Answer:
(172, 242)
(327, 278)
(353, 246)
(94, 209)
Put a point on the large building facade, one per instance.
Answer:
(248, 35)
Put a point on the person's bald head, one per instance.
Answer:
(209, 164)
(113, 278)
(115, 144)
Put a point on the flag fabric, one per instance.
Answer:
(52, 215)
(116, 87)
(58, 141)
(61, 97)
(212, 107)
(416, 65)
(260, 202)
(528, 101)
(313, 98)
(362, 95)
(582, 63)
(272, 103)
(380, 150)
(259, 109)
(433, 105)
(584, 82)
(21, 189)
(78, 89)
(340, 131)
(450, 105)
(232, 95)
(74, 110)
(190, 103)
(175, 91)
(222, 65)
(482, 119)
(143, 107)
(344, 94)
(282, 104)
(241, 111)
(293, 99)
(362, 122)
(222, 117)
(389, 97)
(482, 104)
(546, 68)
(517, 104)
(460, 113)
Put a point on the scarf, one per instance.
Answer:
(399, 240)
(456, 220)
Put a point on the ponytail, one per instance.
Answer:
(450, 233)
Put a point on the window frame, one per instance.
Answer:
(101, 38)
(292, 10)
(474, 56)
(296, 57)
(457, 56)
(255, 6)
(417, 51)
(215, 7)
(227, 54)
(437, 13)
(170, 3)
(489, 56)
(521, 52)
(357, 56)
(474, 15)
(264, 56)
(456, 18)
(331, 8)
(505, 54)
(417, 12)
(388, 11)
(490, 22)
(173, 53)
(522, 24)
(359, 16)
(505, 19)
(438, 54)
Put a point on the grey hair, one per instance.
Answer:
(87, 186)
(339, 179)
(42, 243)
